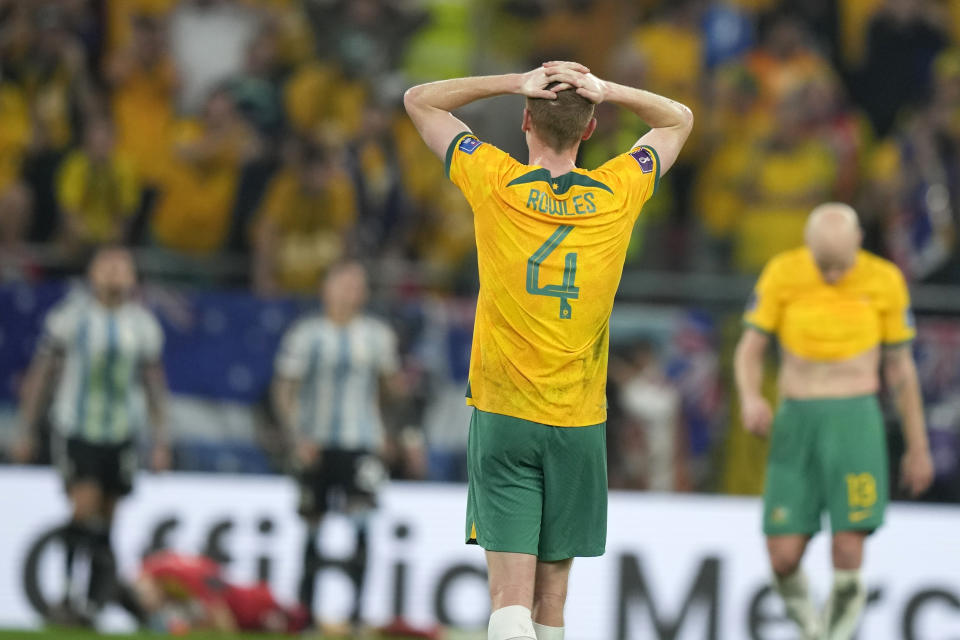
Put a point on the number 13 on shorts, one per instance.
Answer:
(861, 490)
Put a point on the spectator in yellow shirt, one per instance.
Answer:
(199, 187)
(321, 102)
(144, 81)
(302, 226)
(14, 133)
(97, 190)
(789, 172)
(786, 62)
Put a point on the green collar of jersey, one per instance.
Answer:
(559, 184)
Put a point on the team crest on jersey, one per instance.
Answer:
(469, 144)
(644, 159)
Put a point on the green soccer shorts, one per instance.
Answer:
(536, 489)
(826, 454)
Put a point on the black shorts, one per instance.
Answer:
(110, 466)
(340, 480)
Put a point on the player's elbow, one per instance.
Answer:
(686, 118)
(412, 98)
(748, 354)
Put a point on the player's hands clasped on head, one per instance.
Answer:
(576, 75)
(756, 415)
(916, 471)
(534, 85)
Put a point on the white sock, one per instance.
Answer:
(511, 623)
(845, 604)
(795, 592)
(548, 633)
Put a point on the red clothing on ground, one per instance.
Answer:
(186, 577)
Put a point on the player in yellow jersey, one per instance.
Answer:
(838, 313)
(551, 242)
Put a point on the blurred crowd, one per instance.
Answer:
(269, 134)
(272, 130)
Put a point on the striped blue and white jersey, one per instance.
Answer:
(339, 369)
(99, 397)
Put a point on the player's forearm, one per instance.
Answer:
(155, 386)
(901, 374)
(748, 370)
(283, 394)
(41, 369)
(447, 95)
(655, 110)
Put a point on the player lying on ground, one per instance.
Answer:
(182, 592)
(551, 242)
(838, 313)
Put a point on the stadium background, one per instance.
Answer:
(193, 131)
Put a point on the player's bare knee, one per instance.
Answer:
(785, 558)
(785, 553)
(548, 606)
(847, 550)
(784, 564)
(87, 501)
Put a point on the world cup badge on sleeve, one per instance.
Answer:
(643, 158)
(469, 144)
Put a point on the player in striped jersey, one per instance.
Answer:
(551, 243)
(327, 395)
(100, 350)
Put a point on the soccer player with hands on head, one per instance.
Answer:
(551, 243)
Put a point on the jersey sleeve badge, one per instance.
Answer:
(469, 144)
(643, 158)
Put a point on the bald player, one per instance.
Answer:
(839, 313)
(551, 241)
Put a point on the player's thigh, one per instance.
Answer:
(505, 488)
(118, 466)
(362, 481)
(792, 494)
(854, 453)
(575, 503)
(80, 464)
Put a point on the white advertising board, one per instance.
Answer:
(676, 567)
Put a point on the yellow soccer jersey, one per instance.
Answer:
(551, 252)
(870, 305)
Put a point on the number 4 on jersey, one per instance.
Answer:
(565, 291)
